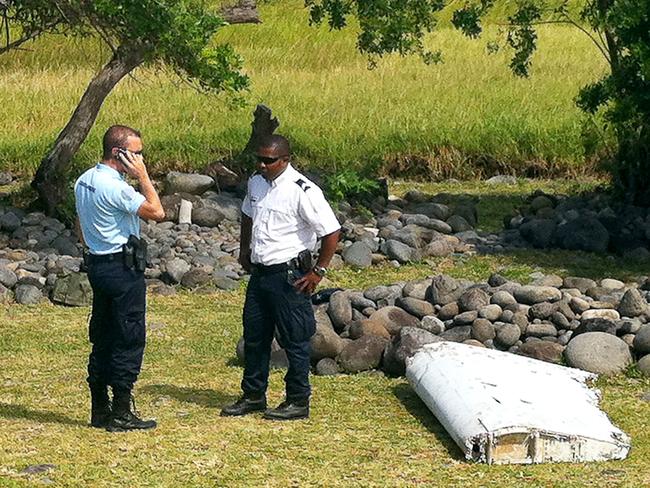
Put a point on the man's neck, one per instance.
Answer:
(112, 164)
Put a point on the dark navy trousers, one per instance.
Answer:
(117, 324)
(272, 304)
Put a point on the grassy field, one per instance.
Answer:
(439, 119)
(365, 430)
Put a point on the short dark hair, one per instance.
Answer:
(116, 136)
(278, 142)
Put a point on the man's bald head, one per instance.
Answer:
(117, 136)
(278, 143)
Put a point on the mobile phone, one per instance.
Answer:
(122, 156)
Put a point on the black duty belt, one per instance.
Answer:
(104, 258)
(276, 268)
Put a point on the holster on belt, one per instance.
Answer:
(305, 263)
(135, 253)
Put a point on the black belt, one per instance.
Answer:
(104, 258)
(276, 268)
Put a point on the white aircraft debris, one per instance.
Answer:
(501, 408)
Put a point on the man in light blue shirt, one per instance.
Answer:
(109, 212)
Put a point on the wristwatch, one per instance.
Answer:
(320, 271)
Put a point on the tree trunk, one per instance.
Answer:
(49, 180)
(264, 124)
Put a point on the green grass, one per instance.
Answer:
(365, 430)
(441, 118)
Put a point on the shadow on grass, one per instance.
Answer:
(200, 396)
(9, 411)
(419, 410)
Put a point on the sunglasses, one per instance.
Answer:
(121, 149)
(268, 161)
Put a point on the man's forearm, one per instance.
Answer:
(148, 191)
(245, 235)
(327, 249)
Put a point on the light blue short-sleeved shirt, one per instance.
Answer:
(107, 207)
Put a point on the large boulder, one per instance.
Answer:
(340, 310)
(584, 234)
(394, 318)
(399, 251)
(642, 340)
(175, 269)
(193, 184)
(207, 216)
(445, 289)
(632, 304)
(28, 295)
(598, 352)
(473, 299)
(417, 308)
(539, 232)
(73, 290)
(410, 341)
(551, 352)
(325, 343)
(358, 255)
(363, 354)
(359, 328)
(531, 295)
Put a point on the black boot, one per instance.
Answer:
(123, 417)
(100, 406)
(248, 403)
(293, 409)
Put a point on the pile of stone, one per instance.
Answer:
(600, 327)
(412, 228)
(593, 223)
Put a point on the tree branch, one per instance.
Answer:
(15, 44)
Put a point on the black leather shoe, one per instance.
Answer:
(123, 418)
(244, 406)
(289, 410)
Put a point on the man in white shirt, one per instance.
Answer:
(283, 216)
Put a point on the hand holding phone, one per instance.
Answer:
(123, 157)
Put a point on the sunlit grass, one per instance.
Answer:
(336, 111)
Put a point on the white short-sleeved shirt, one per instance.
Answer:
(289, 214)
(107, 207)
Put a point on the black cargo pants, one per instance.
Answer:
(272, 303)
(117, 324)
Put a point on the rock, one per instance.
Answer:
(73, 290)
(439, 248)
(550, 352)
(325, 343)
(399, 251)
(604, 313)
(503, 299)
(7, 277)
(458, 224)
(382, 293)
(418, 308)
(222, 175)
(520, 319)
(195, 278)
(444, 290)
(359, 328)
(432, 324)
(394, 318)
(327, 367)
(449, 311)
(611, 284)
(340, 310)
(410, 341)
(501, 180)
(278, 355)
(483, 330)
(157, 287)
(9, 222)
(632, 304)
(549, 280)
(27, 295)
(537, 294)
(542, 310)
(644, 365)
(363, 354)
(207, 216)
(560, 321)
(596, 324)
(466, 318)
(473, 342)
(539, 232)
(176, 269)
(582, 284)
(360, 302)
(193, 184)
(473, 299)
(490, 312)
(598, 352)
(224, 282)
(578, 305)
(585, 234)
(66, 246)
(540, 202)
(628, 326)
(541, 330)
(417, 289)
(642, 340)
(508, 335)
(457, 334)
(358, 255)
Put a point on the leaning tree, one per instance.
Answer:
(178, 33)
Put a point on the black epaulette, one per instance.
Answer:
(302, 184)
